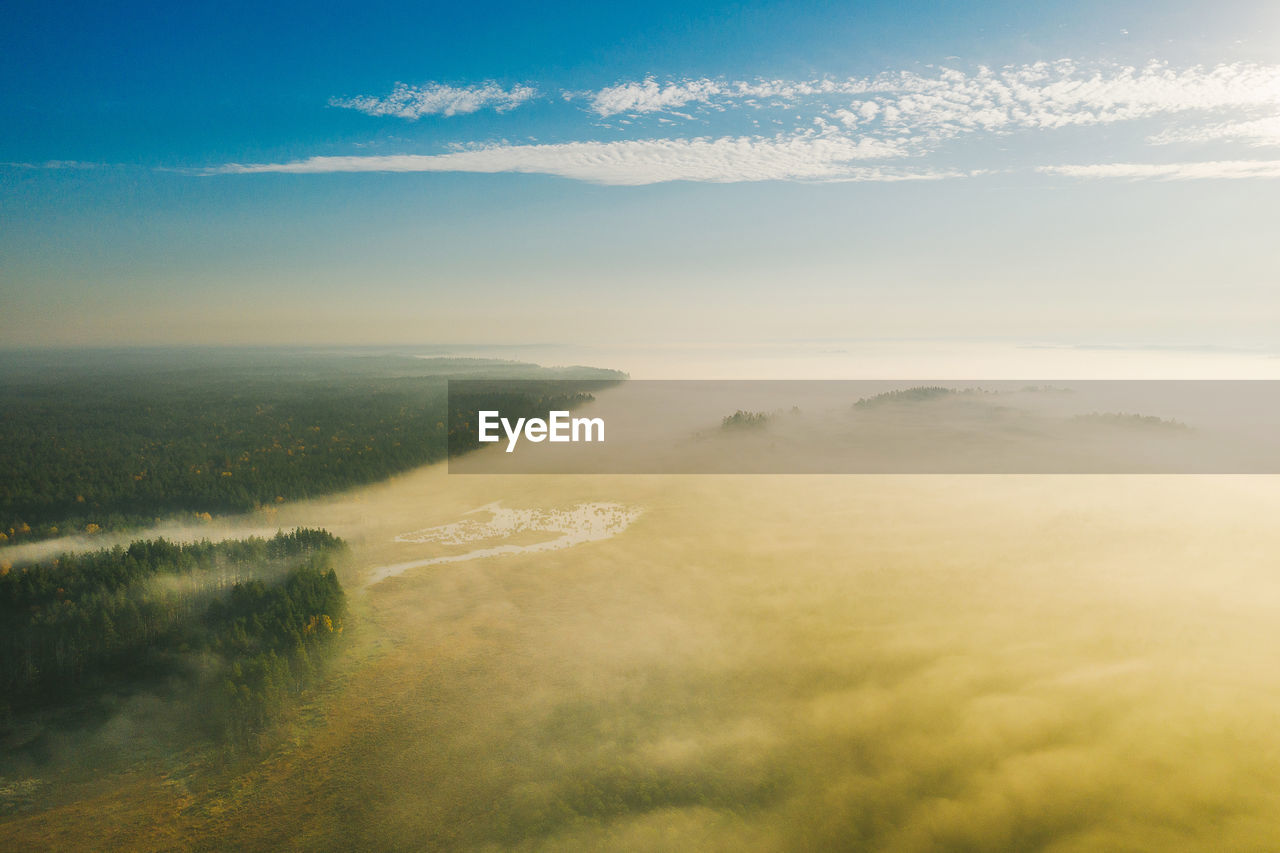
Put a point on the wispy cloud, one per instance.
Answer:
(946, 102)
(804, 157)
(412, 102)
(649, 96)
(1047, 96)
(55, 164)
(1216, 169)
(1259, 132)
(836, 126)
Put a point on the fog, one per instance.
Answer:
(769, 663)
(894, 427)
(871, 358)
(827, 663)
(183, 530)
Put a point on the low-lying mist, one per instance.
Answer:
(885, 427)
(860, 663)
(786, 663)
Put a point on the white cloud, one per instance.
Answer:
(412, 102)
(1063, 94)
(55, 164)
(1217, 169)
(1265, 131)
(804, 157)
(947, 102)
(648, 96)
(891, 115)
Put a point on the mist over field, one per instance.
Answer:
(926, 362)
(775, 663)
(901, 427)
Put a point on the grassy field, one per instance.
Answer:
(765, 663)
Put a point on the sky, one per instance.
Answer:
(1055, 174)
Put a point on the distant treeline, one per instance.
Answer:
(916, 394)
(84, 452)
(743, 419)
(1124, 419)
(240, 625)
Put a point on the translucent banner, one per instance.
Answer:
(864, 427)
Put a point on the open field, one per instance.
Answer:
(906, 663)
(936, 348)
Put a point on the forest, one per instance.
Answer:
(236, 628)
(744, 419)
(916, 394)
(120, 440)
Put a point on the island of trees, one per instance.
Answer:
(743, 419)
(237, 629)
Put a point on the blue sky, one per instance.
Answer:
(388, 173)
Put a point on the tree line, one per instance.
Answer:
(241, 626)
(87, 453)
